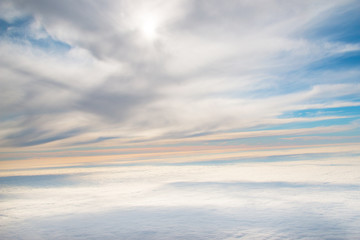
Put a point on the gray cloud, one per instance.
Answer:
(39, 181)
(208, 68)
(110, 105)
(82, 14)
(36, 136)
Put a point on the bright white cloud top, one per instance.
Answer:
(292, 200)
(116, 87)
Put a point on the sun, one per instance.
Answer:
(149, 27)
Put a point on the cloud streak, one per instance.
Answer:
(226, 62)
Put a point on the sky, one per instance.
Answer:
(191, 119)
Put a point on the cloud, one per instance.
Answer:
(311, 199)
(210, 68)
(183, 119)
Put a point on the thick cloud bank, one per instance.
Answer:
(273, 200)
(84, 72)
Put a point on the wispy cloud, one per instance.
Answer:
(80, 69)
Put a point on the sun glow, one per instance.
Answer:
(149, 27)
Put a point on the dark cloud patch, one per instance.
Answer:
(97, 140)
(110, 106)
(113, 101)
(81, 14)
(39, 181)
(37, 103)
(36, 136)
(30, 90)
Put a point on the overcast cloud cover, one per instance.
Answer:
(158, 119)
(267, 200)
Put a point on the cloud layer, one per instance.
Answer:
(76, 73)
(273, 200)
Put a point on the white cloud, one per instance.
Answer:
(206, 67)
(208, 201)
